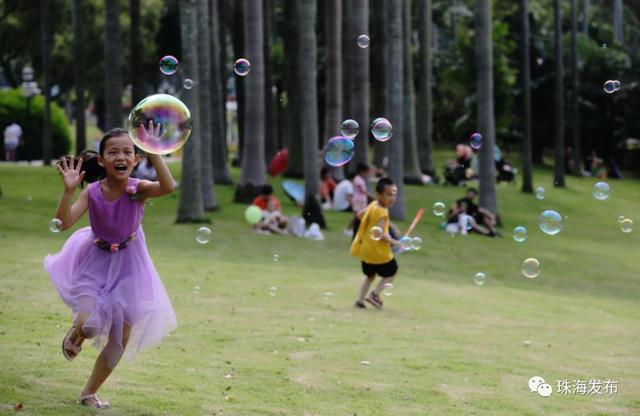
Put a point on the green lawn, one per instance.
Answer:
(443, 345)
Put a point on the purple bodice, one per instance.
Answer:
(114, 221)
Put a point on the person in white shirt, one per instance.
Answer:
(12, 135)
(343, 193)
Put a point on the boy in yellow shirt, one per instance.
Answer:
(374, 246)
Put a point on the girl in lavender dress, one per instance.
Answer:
(104, 272)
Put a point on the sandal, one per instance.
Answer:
(97, 404)
(70, 350)
(374, 300)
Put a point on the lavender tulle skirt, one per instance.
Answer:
(114, 288)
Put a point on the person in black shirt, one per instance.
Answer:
(485, 220)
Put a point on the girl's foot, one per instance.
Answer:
(92, 400)
(71, 344)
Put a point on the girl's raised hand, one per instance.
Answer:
(151, 134)
(71, 174)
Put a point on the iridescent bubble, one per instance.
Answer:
(626, 225)
(164, 113)
(276, 258)
(531, 267)
(253, 214)
(520, 234)
(188, 83)
(601, 191)
(339, 151)
(540, 192)
(388, 289)
(550, 222)
(405, 243)
(168, 65)
(203, 235)
(621, 218)
(242, 67)
(416, 243)
(363, 41)
(273, 291)
(349, 128)
(382, 129)
(438, 209)
(479, 278)
(55, 225)
(376, 233)
(475, 140)
(611, 86)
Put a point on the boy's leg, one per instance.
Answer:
(382, 284)
(366, 284)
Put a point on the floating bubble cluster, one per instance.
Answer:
(611, 86)
(169, 115)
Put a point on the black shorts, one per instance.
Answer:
(383, 270)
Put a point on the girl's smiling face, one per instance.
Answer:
(119, 157)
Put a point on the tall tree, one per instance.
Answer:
(486, 122)
(559, 98)
(236, 28)
(221, 173)
(585, 17)
(333, 101)
(294, 97)
(190, 207)
(306, 60)
(359, 72)
(379, 74)
(77, 18)
(525, 79)
(45, 37)
(395, 83)
(253, 165)
(412, 172)
(135, 43)
(575, 77)
(271, 103)
(209, 198)
(618, 22)
(425, 82)
(112, 64)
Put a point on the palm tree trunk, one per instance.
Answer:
(46, 73)
(78, 75)
(291, 45)
(112, 64)
(412, 172)
(618, 22)
(271, 147)
(221, 173)
(559, 99)
(190, 206)
(486, 122)
(333, 101)
(209, 198)
(525, 79)
(309, 110)
(575, 76)
(135, 43)
(395, 83)
(359, 72)
(379, 74)
(238, 41)
(425, 96)
(585, 17)
(253, 166)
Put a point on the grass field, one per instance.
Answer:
(442, 346)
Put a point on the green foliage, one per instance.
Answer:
(13, 109)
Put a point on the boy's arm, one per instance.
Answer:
(387, 236)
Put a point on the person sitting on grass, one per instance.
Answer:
(272, 220)
(266, 195)
(374, 248)
(327, 187)
(484, 220)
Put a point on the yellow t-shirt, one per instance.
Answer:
(368, 249)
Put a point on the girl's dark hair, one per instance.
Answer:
(90, 166)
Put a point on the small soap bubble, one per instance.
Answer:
(55, 225)
(540, 192)
(416, 243)
(438, 209)
(520, 233)
(363, 41)
(273, 291)
(188, 83)
(203, 235)
(376, 233)
(387, 289)
(242, 67)
(276, 258)
(531, 268)
(601, 191)
(339, 151)
(381, 129)
(626, 225)
(479, 278)
(611, 86)
(168, 65)
(621, 218)
(349, 128)
(405, 243)
(475, 140)
(550, 222)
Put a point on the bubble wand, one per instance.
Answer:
(415, 221)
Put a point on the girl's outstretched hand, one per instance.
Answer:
(151, 134)
(71, 174)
